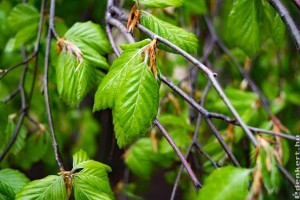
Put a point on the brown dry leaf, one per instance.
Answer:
(133, 18)
(68, 180)
(65, 45)
(151, 55)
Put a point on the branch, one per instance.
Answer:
(46, 93)
(251, 83)
(211, 76)
(179, 154)
(20, 89)
(287, 19)
(205, 115)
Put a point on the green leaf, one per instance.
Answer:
(76, 68)
(50, 187)
(3, 119)
(227, 183)
(140, 158)
(136, 105)
(278, 31)
(91, 34)
(20, 141)
(92, 181)
(11, 182)
(243, 26)
(131, 89)
(270, 173)
(108, 89)
(160, 3)
(79, 157)
(23, 22)
(21, 16)
(195, 6)
(178, 36)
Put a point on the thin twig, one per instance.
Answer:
(211, 76)
(179, 154)
(287, 19)
(46, 93)
(251, 83)
(119, 25)
(4, 72)
(23, 107)
(205, 115)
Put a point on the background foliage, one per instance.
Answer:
(224, 35)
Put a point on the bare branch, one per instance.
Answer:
(46, 93)
(179, 154)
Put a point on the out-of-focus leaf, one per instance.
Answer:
(160, 3)
(227, 183)
(23, 22)
(195, 6)
(11, 182)
(243, 26)
(140, 158)
(19, 142)
(180, 37)
(3, 120)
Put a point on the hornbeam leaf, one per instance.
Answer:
(180, 37)
(160, 3)
(92, 181)
(136, 105)
(50, 187)
(80, 56)
(131, 90)
(243, 26)
(108, 89)
(11, 182)
(91, 34)
(226, 183)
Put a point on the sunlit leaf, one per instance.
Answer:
(180, 37)
(50, 187)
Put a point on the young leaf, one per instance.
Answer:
(243, 26)
(136, 105)
(50, 187)
(140, 158)
(278, 31)
(108, 89)
(79, 58)
(180, 37)
(11, 182)
(160, 3)
(226, 183)
(92, 181)
(90, 34)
